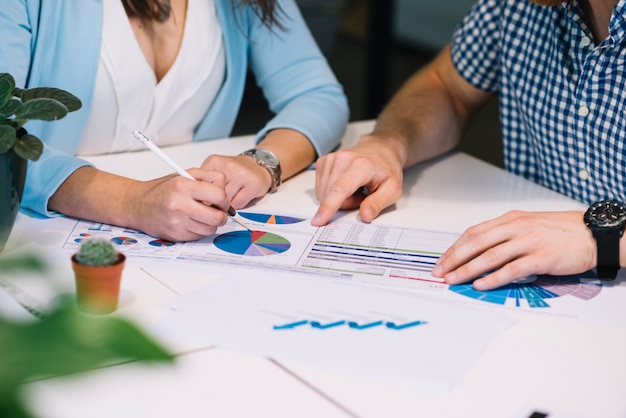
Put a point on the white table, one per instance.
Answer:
(558, 366)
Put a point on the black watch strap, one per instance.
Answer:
(608, 253)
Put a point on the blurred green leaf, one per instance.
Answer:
(64, 342)
(25, 262)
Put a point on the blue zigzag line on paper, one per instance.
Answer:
(349, 324)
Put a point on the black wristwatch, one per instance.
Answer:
(607, 219)
(269, 160)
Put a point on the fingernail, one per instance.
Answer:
(479, 284)
(437, 270)
(316, 219)
(450, 278)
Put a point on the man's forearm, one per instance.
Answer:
(427, 116)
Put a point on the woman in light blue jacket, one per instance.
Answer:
(176, 70)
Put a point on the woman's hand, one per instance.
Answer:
(519, 244)
(171, 207)
(179, 209)
(245, 179)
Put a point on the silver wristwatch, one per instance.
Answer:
(269, 160)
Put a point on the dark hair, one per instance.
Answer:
(159, 10)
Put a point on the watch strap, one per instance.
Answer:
(608, 252)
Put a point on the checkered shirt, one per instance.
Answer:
(562, 98)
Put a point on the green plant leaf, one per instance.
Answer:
(11, 107)
(67, 342)
(28, 147)
(6, 90)
(23, 262)
(42, 109)
(7, 76)
(7, 138)
(70, 101)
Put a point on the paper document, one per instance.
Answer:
(360, 252)
(361, 331)
(393, 257)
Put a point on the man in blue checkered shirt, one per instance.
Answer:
(559, 68)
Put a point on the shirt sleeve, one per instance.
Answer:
(476, 45)
(20, 31)
(297, 81)
(15, 32)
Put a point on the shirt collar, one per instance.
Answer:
(617, 26)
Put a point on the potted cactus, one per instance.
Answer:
(98, 272)
(17, 146)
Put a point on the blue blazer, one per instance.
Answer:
(57, 44)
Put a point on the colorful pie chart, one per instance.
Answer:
(254, 243)
(161, 243)
(82, 237)
(535, 294)
(123, 240)
(270, 219)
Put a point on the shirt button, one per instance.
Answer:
(585, 41)
(583, 111)
(583, 174)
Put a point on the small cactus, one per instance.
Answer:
(97, 252)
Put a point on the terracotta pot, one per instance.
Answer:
(98, 287)
(12, 178)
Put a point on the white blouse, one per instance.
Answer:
(127, 95)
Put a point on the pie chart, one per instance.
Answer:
(123, 241)
(270, 219)
(161, 243)
(252, 243)
(535, 294)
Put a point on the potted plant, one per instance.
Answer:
(98, 272)
(17, 146)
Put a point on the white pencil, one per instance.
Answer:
(178, 169)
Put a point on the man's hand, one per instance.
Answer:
(340, 176)
(519, 244)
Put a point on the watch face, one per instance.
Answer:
(606, 214)
(267, 157)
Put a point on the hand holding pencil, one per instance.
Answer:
(178, 169)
